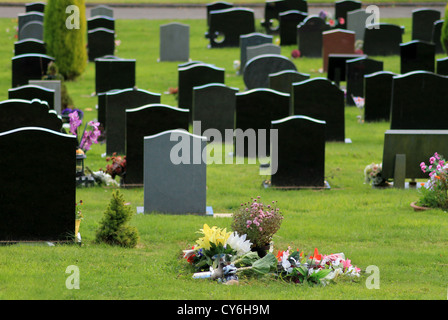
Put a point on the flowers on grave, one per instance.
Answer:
(359, 102)
(434, 191)
(65, 113)
(117, 166)
(372, 175)
(78, 216)
(88, 137)
(334, 23)
(258, 221)
(295, 53)
(297, 267)
(216, 245)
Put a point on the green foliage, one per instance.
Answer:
(53, 74)
(113, 227)
(444, 36)
(67, 46)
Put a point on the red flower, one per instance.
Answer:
(295, 53)
(316, 255)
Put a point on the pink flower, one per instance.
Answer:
(431, 160)
(346, 263)
(74, 122)
(295, 53)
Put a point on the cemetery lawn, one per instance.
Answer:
(236, 2)
(371, 226)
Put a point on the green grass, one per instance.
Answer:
(203, 2)
(371, 226)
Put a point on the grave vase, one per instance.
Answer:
(419, 208)
(77, 224)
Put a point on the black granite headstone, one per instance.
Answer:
(419, 102)
(32, 30)
(103, 22)
(436, 34)
(226, 26)
(423, 23)
(417, 55)
(38, 193)
(24, 18)
(355, 71)
(29, 46)
(117, 102)
(321, 99)
(218, 5)
(377, 96)
(309, 36)
(382, 39)
(101, 42)
(146, 121)
(442, 66)
(342, 7)
(282, 81)
(337, 65)
(30, 92)
(258, 69)
(27, 67)
(35, 7)
(114, 73)
(250, 40)
(289, 20)
(300, 159)
(214, 107)
(255, 109)
(273, 8)
(196, 75)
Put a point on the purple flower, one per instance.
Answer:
(74, 122)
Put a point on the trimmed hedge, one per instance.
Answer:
(65, 36)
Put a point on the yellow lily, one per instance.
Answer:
(213, 235)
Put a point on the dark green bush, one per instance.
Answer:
(444, 36)
(113, 227)
(67, 46)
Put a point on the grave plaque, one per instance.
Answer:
(337, 41)
(106, 71)
(146, 121)
(250, 40)
(301, 153)
(309, 36)
(417, 55)
(288, 26)
(27, 67)
(226, 26)
(321, 99)
(117, 101)
(174, 42)
(30, 92)
(42, 212)
(423, 23)
(214, 107)
(27, 46)
(418, 103)
(101, 42)
(355, 71)
(175, 182)
(382, 39)
(258, 69)
(255, 109)
(377, 96)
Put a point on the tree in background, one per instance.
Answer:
(65, 30)
(444, 37)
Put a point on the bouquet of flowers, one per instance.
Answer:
(88, 137)
(258, 221)
(434, 191)
(297, 267)
(372, 175)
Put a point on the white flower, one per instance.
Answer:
(239, 243)
(285, 262)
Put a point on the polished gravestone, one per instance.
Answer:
(227, 25)
(103, 22)
(321, 99)
(257, 71)
(417, 55)
(174, 42)
(250, 40)
(355, 71)
(214, 106)
(337, 41)
(27, 46)
(16, 113)
(175, 173)
(341, 9)
(40, 206)
(382, 39)
(30, 92)
(282, 81)
(27, 67)
(116, 103)
(32, 30)
(288, 26)
(101, 42)
(436, 34)
(107, 69)
(35, 7)
(24, 18)
(309, 36)
(378, 96)
(255, 109)
(267, 48)
(423, 22)
(273, 8)
(146, 121)
(418, 102)
(218, 5)
(300, 155)
(337, 66)
(442, 66)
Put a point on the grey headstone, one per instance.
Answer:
(53, 85)
(258, 69)
(356, 21)
(174, 42)
(117, 101)
(418, 102)
(33, 212)
(267, 48)
(214, 107)
(250, 40)
(341, 9)
(102, 10)
(171, 186)
(32, 30)
(25, 18)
